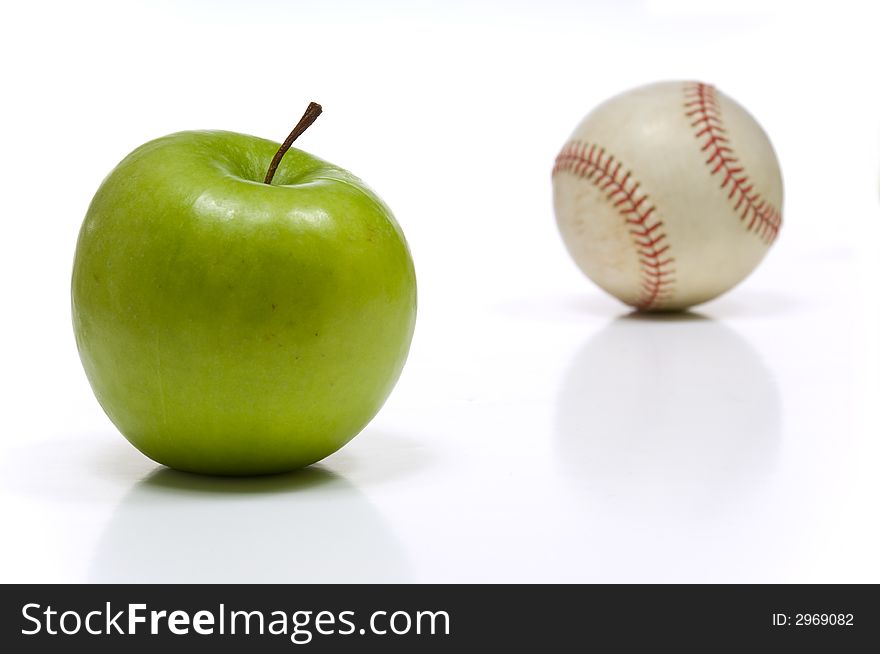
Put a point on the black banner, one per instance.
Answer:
(408, 618)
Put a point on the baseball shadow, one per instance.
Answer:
(749, 303)
(738, 303)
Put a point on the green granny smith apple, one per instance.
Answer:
(234, 321)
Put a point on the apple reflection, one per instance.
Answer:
(309, 526)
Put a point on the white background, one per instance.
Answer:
(539, 432)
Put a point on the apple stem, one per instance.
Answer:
(311, 115)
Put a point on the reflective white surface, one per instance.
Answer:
(540, 432)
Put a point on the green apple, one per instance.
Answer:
(232, 326)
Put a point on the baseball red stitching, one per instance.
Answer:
(759, 215)
(592, 163)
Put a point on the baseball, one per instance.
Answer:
(668, 195)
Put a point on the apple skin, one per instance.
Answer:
(232, 327)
